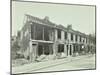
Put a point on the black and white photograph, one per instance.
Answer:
(52, 37)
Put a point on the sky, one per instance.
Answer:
(82, 18)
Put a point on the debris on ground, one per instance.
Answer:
(41, 57)
(18, 62)
(63, 55)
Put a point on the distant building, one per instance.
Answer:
(40, 36)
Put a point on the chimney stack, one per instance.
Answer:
(46, 18)
(69, 26)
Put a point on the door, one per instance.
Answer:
(70, 52)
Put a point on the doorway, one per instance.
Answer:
(70, 52)
(67, 49)
(45, 48)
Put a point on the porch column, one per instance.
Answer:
(68, 49)
(51, 48)
(55, 34)
(65, 49)
(54, 49)
(79, 49)
(30, 52)
(72, 49)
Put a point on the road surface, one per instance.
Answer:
(84, 63)
(69, 63)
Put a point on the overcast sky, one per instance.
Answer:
(82, 18)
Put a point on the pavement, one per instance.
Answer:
(40, 66)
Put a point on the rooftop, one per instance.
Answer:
(47, 22)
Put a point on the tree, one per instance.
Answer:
(15, 48)
(92, 39)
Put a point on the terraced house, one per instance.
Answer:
(42, 37)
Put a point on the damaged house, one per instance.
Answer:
(42, 37)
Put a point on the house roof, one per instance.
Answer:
(40, 21)
(47, 22)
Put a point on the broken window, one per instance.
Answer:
(59, 34)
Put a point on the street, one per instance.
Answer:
(69, 63)
(85, 63)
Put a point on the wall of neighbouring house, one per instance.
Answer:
(25, 39)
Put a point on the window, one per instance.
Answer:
(80, 38)
(32, 31)
(46, 34)
(60, 48)
(39, 32)
(83, 40)
(65, 35)
(76, 38)
(59, 34)
(71, 37)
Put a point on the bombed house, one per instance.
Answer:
(42, 37)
